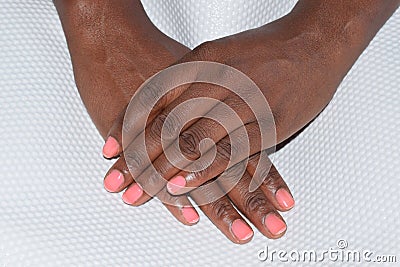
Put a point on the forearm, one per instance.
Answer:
(342, 26)
(65, 7)
(75, 14)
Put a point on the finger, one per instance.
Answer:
(180, 207)
(155, 95)
(247, 141)
(159, 122)
(273, 185)
(186, 148)
(112, 148)
(222, 214)
(227, 116)
(113, 145)
(254, 205)
(119, 177)
(156, 92)
(159, 91)
(148, 145)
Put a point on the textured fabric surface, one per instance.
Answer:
(343, 169)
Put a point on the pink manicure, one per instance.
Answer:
(113, 181)
(274, 224)
(190, 215)
(241, 230)
(111, 147)
(132, 194)
(176, 184)
(284, 199)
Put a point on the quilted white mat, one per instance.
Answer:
(343, 169)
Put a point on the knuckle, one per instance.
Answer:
(150, 94)
(157, 125)
(254, 201)
(133, 159)
(189, 144)
(242, 142)
(272, 178)
(221, 208)
(171, 125)
(224, 149)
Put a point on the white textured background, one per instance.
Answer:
(343, 169)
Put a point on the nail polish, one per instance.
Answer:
(132, 194)
(241, 230)
(284, 198)
(111, 147)
(113, 181)
(274, 224)
(190, 215)
(176, 184)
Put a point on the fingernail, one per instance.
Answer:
(176, 184)
(190, 215)
(132, 194)
(274, 224)
(111, 147)
(113, 181)
(284, 198)
(241, 230)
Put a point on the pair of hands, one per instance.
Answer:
(297, 62)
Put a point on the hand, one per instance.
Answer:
(113, 52)
(112, 59)
(105, 93)
(218, 201)
(297, 61)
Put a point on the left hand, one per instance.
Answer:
(297, 61)
(297, 81)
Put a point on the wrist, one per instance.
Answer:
(90, 13)
(343, 27)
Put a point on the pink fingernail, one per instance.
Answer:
(176, 184)
(111, 147)
(241, 230)
(190, 215)
(132, 194)
(113, 181)
(284, 199)
(274, 224)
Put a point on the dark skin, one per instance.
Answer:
(297, 61)
(113, 52)
(108, 60)
(306, 39)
